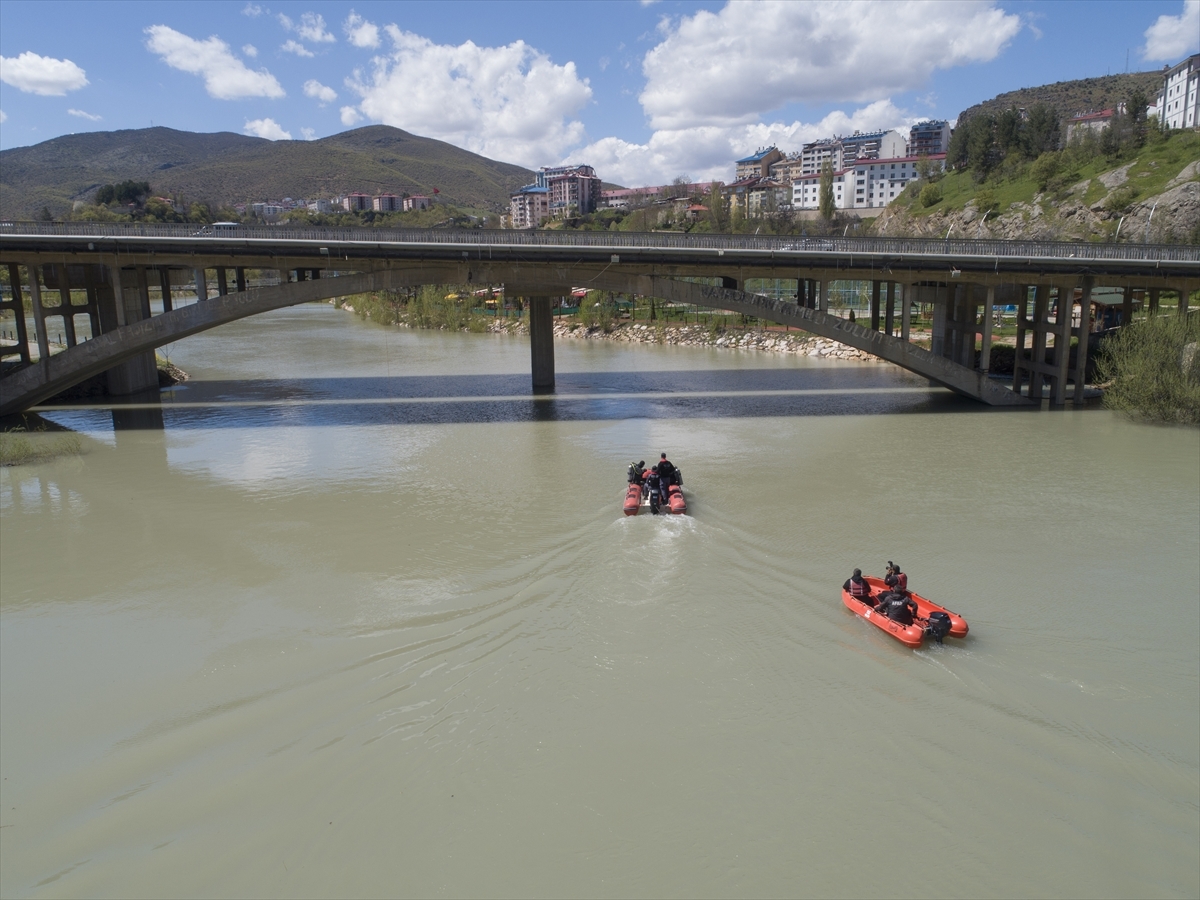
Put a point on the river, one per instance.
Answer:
(364, 618)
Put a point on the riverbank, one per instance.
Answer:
(768, 340)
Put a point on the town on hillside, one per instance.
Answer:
(863, 171)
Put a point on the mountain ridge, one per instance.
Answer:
(224, 167)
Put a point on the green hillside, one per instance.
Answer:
(1068, 98)
(224, 168)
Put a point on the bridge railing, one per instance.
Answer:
(876, 246)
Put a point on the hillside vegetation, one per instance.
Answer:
(1068, 98)
(217, 169)
(1008, 178)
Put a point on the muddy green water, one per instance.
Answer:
(365, 619)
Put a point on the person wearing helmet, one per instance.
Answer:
(856, 586)
(637, 471)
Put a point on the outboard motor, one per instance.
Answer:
(939, 625)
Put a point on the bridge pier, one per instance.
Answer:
(139, 373)
(541, 344)
(17, 306)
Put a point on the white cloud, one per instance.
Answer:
(225, 76)
(42, 75)
(3, 117)
(708, 151)
(266, 128)
(309, 134)
(320, 92)
(311, 27)
(297, 48)
(250, 50)
(1171, 38)
(510, 102)
(350, 116)
(361, 32)
(79, 113)
(730, 67)
(253, 10)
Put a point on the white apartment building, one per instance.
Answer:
(841, 152)
(868, 184)
(1176, 105)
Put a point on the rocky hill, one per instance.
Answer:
(1068, 98)
(225, 167)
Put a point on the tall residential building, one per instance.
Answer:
(866, 184)
(929, 138)
(573, 190)
(1176, 106)
(815, 154)
(872, 145)
(758, 164)
(530, 206)
(385, 203)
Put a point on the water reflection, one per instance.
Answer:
(581, 396)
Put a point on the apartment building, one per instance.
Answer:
(415, 202)
(868, 184)
(356, 202)
(530, 206)
(815, 154)
(873, 145)
(1176, 106)
(385, 203)
(758, 164)
(787, 169)
(929, 138)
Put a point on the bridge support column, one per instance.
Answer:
(1081, 352)
(18, 311)
(201, 284)
(1062, 343)
(1127, 306)
(1037, 358)
(222, 283)
(937, 343)
(1153, 302)
(132, 304)
(241, 279)
(541, 344)
(985, 340)
(905, 311)
(875, 286)
(39, 314)
(164, 285)
(64, 299)
(1183, 301)
(889, 321)
(823, 299)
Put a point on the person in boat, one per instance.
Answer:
(856, 586)
(653, 480)
(666, 476)
(899, 579)
(897, 606)
(637, 471)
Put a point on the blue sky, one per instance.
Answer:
(644, 91)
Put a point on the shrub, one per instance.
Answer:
(1121, 199)
(985, 202)
(1154, 369)
(930, 194)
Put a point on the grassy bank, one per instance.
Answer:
(20, 447)
(1153, 370)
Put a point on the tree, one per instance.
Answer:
(1042, 130)
(825, 195)
(1135, 108)
(716, 208)
(930, 194)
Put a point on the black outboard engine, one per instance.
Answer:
(939, 625)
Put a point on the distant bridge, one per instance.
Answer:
(120, 267)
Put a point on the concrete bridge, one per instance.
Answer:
(120, 267)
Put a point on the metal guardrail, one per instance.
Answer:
(872, 246)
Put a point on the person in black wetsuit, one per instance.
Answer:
(856, 586)
(637, 472)
(666, 475)
(653, 484)
(898, 606)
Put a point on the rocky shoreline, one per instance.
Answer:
(761, 340)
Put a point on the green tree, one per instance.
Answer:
(930, 194)
(1041, 131)
(825, 195)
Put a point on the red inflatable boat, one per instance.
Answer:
(909, 635)
(638, 501)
